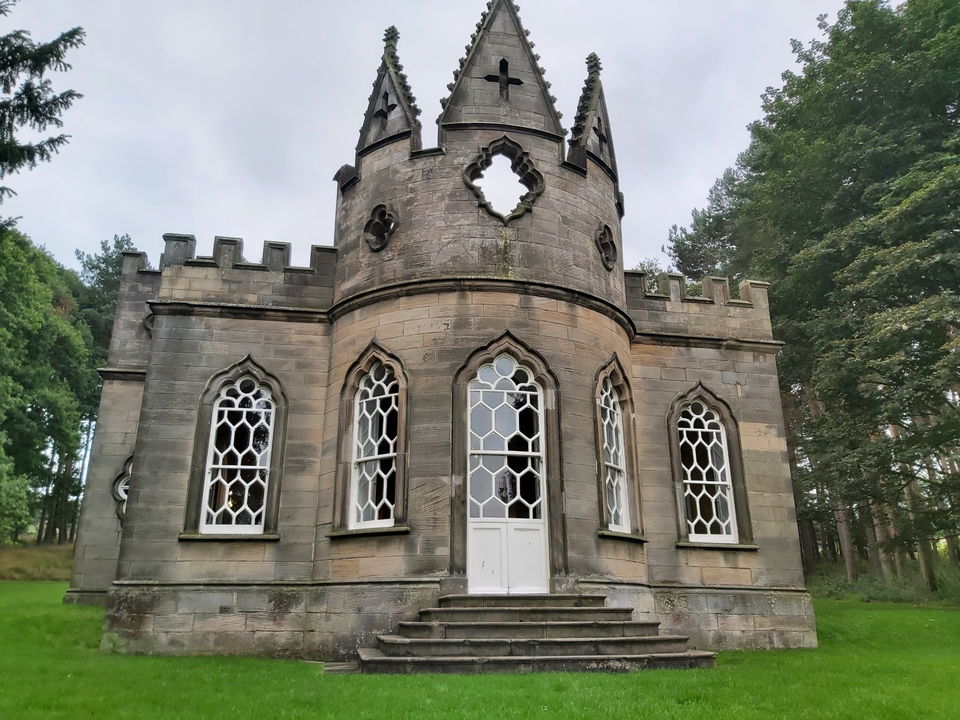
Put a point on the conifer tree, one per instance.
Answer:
(28, 100)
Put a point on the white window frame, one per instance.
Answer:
(476, 385)
(353, 521)
(725, 482)
(607, 467)
(205, 527)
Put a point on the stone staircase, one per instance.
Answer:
(528, 633)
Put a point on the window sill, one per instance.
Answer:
(364, 532)
(199, 537)
(616, 535)
(718, 546)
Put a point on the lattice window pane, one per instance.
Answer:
(376, 425)
(505, 430)
(238, 462)
(614, 468)
(707, 489)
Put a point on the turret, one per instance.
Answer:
(412, 215)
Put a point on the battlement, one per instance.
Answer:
(227, 277)
(670, 310)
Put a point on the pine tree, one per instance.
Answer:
(27, 97)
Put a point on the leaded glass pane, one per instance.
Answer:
(614, 469)
(505, 438)
(707, 489)
(238, 462)
(374, 480)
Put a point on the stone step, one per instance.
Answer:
(523, 614)
(374, 661)
(541, 629)
(560, 600)
(397, 646)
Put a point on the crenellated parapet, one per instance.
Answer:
(224, 282)
(671, 314)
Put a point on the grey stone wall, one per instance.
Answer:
(98, 533)
(444, 233)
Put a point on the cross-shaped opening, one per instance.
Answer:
(501, 186)
(383, 112)
(504, 80)
(601, 135)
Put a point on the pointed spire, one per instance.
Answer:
(392, 109)
(591, 127)
(499, 80)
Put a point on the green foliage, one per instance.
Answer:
(100, 274)
(829, 581)
(55, 330)
(15, 515)
(848, 201)
(652, 268)
(27, 98)
(875, 661)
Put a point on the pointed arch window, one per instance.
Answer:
(613, 458)
(373, 486)
(505, 421)
(238, 455)
(370, 494)
(619, 495)
(238, 464)
(706, 456)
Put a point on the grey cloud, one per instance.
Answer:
(230, 118)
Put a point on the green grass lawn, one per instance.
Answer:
(876, 661)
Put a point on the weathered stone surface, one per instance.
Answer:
(453, 279)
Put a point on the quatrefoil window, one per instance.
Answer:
(520, 164)
(607, 246)
(381, 225)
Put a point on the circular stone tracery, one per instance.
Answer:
(607, 246)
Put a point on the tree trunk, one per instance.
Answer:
(925, 552)
(953, 550)
(873, 549)
(846, 543)
(880, 534)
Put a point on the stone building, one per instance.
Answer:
(453, 403)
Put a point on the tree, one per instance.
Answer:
(708, 246)
(848, 201)
(45, 371)
(652, 268)
(100, 274)
(28, 99)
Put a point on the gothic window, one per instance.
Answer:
(705, 449)
(616, 453)
(613, 462)
(238, 454)
(238, 464)
(506, 448)
(370, 493)
(373, 487)
(505, 465)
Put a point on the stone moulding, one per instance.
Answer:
(607, 246)
(520, 163)
(380, 227)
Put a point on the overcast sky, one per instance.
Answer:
(230, 117)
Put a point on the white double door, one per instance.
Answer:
(507, 556)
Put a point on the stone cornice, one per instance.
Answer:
(124, 374)
(236, 310)
(480, 284)
(706, 341)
